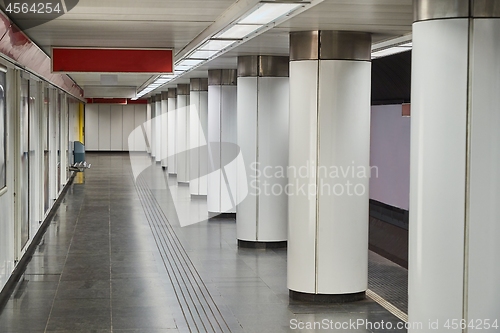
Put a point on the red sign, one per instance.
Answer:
(149, 61)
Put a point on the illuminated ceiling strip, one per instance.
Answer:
(261, 18)
(392, 46)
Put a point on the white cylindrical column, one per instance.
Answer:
(158, 135)
(164, 129)
(330, 84)
(455, 159)
(221, 195)
(172, 131)
(148, 126)
(152, 126)
(263, 112)
(183, 91)
(198, 118)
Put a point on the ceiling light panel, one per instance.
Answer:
(182, 68)
(269, 12)
(190, 62)
(203, 54)
(239, 31)
(216, 45)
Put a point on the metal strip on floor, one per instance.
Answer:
(198, 307)
(388, 285)
(387, 305)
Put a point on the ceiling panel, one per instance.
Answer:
(115, 34)
(175, 23)
(394, 16)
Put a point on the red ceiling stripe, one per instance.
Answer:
(112, 60)
(122, 101)
(138, 101)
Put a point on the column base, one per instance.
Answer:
(183, 183)
(262, 245)
(326, 298)
(222, 215)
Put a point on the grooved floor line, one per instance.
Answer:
(197, 305)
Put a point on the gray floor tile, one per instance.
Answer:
(110, 261)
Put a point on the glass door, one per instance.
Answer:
(34, 156)
(46, 155)
(24, 176)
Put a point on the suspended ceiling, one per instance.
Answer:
(176, 23)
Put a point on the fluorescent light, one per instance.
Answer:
(216, 45)
(182, 68)
(389, 51)
(190, 62)
(269, 12)
(239, 31)
(203, 54)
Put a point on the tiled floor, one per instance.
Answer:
(115, 259)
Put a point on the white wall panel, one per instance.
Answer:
(140, 120)
(128, 126)
(92, 127)
(274, 112)
(195, 133)
(152, 141)
(222, 124)
(437, 181)
(229, 135)
(104, 127)
(116, 128)
(158, 113)
(214, 137)
(172, 135)
(303, 148)
(344, 134)
(247, 209)
(182, 138)
(164, 133)
(203, 113)
(198, 134)
(147, 126)
(484, 247)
